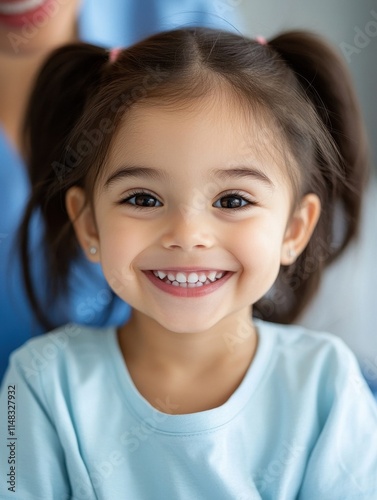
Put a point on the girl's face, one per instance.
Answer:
(193, 195)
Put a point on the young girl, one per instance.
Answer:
(29, 31)
(203, 171)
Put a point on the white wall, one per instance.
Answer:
(340, 22)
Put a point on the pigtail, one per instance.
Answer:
(68, 78)
(325, 81)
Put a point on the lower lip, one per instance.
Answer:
(31, 17)
(178, 291)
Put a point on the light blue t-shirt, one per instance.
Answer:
(301, 425)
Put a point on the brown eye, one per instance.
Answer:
(231, 201)
(142, 200)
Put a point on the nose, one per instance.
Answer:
(187, 232)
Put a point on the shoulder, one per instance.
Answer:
(311, 355)
(68, 345)
(293, 337)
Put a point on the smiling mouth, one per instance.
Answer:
(189, 279)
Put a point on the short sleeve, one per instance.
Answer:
(343, 462)
(32, 461)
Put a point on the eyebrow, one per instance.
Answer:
(241, 172)
(156, 174)
(134, 171)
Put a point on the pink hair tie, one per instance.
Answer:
(261, 40)
(114, 53)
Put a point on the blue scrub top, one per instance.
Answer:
(89, 300)
(124, 22)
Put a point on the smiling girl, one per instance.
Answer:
(202, 171)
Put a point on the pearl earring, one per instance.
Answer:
(292, 253)
(92, 250)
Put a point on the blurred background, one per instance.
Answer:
(350, 25)
(346, 302)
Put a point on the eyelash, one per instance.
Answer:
(136, 193)
(234, 194)
(240, 195)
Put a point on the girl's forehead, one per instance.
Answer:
(207, 129)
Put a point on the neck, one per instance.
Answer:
(192, 372)
(144, 342)
(18, 72)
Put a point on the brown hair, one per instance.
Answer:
(297, 79)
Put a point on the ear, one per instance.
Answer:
(300, 228)
(82, 217)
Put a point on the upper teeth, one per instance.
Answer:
(192, 277)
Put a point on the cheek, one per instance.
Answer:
(258, 238)
(120, 244)
(257, 246)
(115, 229)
